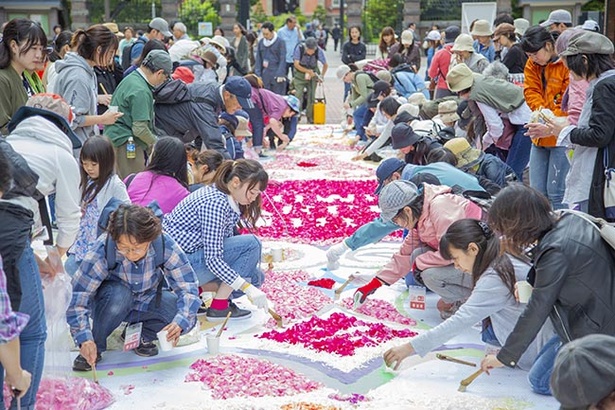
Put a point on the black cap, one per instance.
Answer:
(381, 87)
(451, 33)
(403, 136)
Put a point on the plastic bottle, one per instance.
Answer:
(131, 149)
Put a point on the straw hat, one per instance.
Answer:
(463, 43)
(466, 156)
(114, 29)
(481, 28)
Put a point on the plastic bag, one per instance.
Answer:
(57, 293)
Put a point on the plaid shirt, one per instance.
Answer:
(11, 323)
(202, 221)
(143, 283)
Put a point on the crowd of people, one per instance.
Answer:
(136, 156)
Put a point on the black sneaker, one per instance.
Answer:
(202, 310)
(146, 349)
(81, 365)
(236, 313)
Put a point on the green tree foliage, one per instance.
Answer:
(320, 13)
(379, 14)
(132, 11)
(258, 14)
(593, 5)
(191, 12)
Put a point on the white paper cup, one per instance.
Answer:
(524, 291)
(213, 344)
(112, 108)
(277, 254)
(165, 345)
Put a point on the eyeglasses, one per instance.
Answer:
(140, 249)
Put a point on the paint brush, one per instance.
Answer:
(339, 290)
(102, 87)
(94, 373)
(223, 325)
(454, 360)
(276, 317)
(17, 393)
(466, 382)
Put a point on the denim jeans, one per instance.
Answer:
(519, 151)
(346, 90)
(112, 305)
(541, 370)
(488, 336)
(548, 170)
(256, 119)
(32, 339)
(241, 252)
(359, 115)
(371, 232)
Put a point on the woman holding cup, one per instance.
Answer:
(573, 276)
(475, 250)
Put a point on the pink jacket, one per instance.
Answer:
(440, 209)
(577, 93)
(439, 65)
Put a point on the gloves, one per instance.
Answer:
(361, 294)
(257, 297)
(334, 253)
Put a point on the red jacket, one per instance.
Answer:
(439, 65)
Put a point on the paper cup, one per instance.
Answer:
(165, 345)
(213, 344)
(524, 291)
(277, 254)
(112, 108)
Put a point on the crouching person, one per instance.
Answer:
(134, 273)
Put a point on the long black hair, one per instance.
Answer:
(587, 65)
(94, 43)
(26, 33)
(466, 231)
(537, 37)
(247, 171)
(149, 46)
(169, 158)
(99, 149)
(63, 39)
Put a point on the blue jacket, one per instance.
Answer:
(407, 82)
(446, 173)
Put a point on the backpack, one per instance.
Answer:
(111, 247)
(483, 199)
(24, 184)
(126, 61)
(371, 75)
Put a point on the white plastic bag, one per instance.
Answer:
(57, 293)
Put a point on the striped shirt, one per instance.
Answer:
(11, 323)
(201, 222)
(142, 278)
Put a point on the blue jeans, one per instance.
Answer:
(346, 90)
(256, 119)
(488, 336)
(519, 151)
(359, 115)
(371, 232)
(541, 370)
(32, 339)
(241, 252)
(113, 304)
(548, 170)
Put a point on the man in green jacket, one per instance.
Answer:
(361, 83)
(135, 99)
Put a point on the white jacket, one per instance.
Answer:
(49, 153)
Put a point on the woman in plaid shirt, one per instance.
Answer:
(204, 224)
(130, 291)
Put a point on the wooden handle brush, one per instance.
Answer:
(466, 382)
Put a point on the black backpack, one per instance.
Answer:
(126, 61)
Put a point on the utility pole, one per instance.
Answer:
(342, 20)
(107, 10)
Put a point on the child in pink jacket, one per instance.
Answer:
(426, 211)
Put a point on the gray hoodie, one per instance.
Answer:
(76, 83)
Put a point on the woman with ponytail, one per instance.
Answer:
(204, 225)
(76, 79)
(22, 49)
(475, 250)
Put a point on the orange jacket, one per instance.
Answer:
(548, 94)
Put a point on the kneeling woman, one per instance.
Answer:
(122, 279)
(475, 250)
(426, 211)
(204, 225)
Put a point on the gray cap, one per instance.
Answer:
(556, 17)
(311, 43)
(158, 60)
(394, 197)
(584, 371)
(161, 25)
(588, 42)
